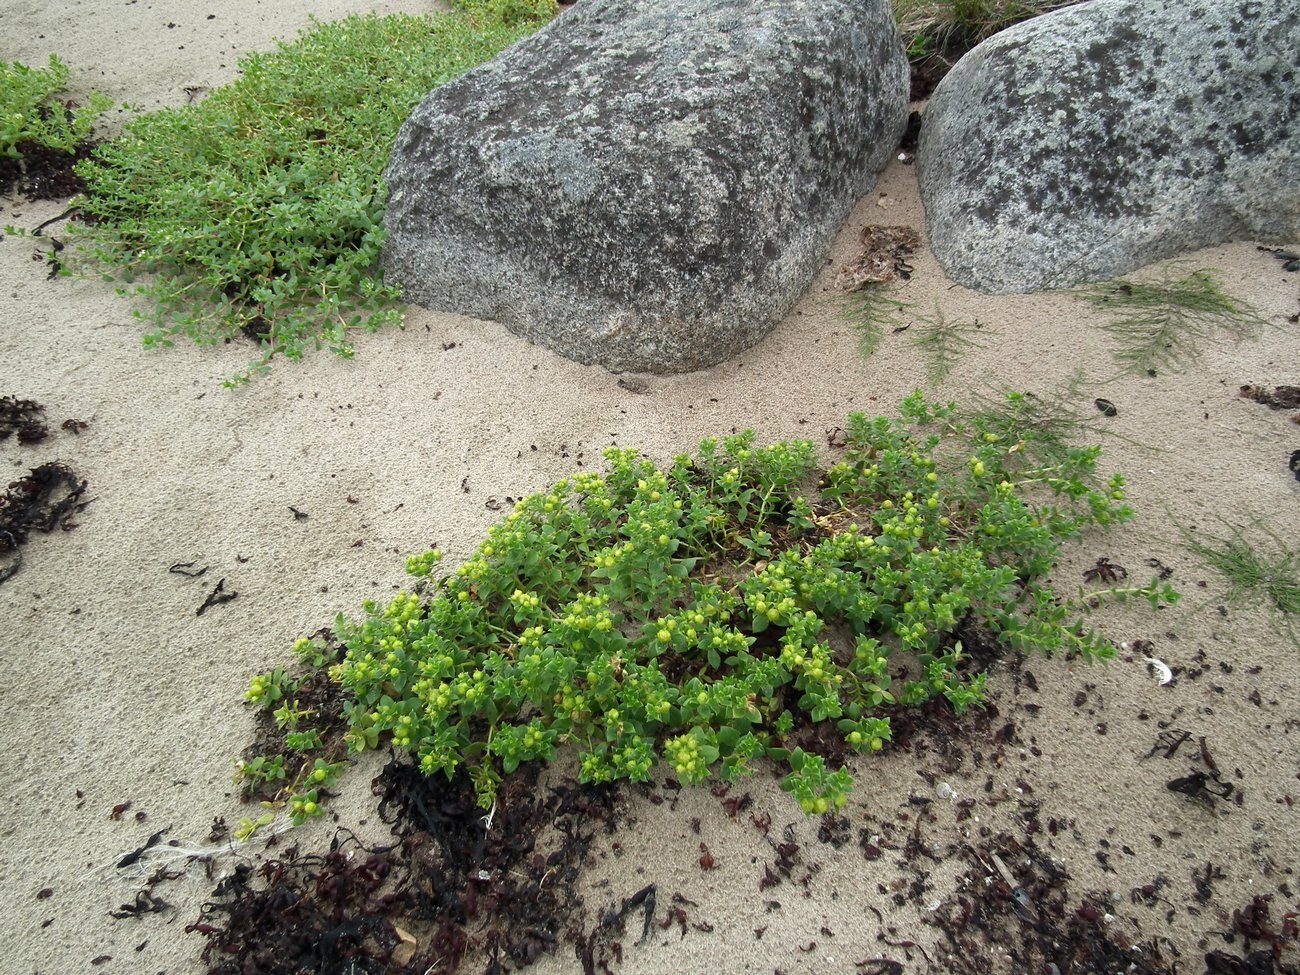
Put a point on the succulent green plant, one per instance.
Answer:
(709, 612)
(258, 212)
(33, 114)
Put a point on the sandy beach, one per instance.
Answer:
(115, 691)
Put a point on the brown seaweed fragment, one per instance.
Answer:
(883, 260)
(32, 503)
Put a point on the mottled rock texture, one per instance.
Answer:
(643, 185)
(1094, 140)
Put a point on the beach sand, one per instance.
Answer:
(116, 692)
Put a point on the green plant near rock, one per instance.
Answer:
(32, 113)
(942, 342)
(1163, 325)
(871, 310)
(508, 13)
(259, 210)
(731, 608)
(947, 29)
(1269, 575)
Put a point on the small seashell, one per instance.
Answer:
(1161, 669)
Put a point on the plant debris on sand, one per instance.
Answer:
(454, 882)
(1277, 398)
(45, 499)
(459, 890)
(44, 173)
(22, 417)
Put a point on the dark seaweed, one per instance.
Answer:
(217, 597)
(454, 884)
(33, 503)
(22, 417)
(42, 173)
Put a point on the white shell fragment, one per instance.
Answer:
(1161, 670)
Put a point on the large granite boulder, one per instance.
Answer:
(1091, 141)
(644, 185)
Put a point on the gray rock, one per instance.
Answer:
(1091, 141)
(643, 185)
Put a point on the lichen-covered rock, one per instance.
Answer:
(644, 185)
(1091, 141)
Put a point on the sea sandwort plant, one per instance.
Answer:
(32, 113)
(724, 610)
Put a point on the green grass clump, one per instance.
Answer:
(259, 210)
(508, 12)
(938, 32)
(732, 607)
(31, 112)
(942, 342)
(1271, 578)
(871, 310)
(1163, 325)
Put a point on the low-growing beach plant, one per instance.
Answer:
(946, 29)
(942, 342)
(1163, 325)
(32, 113)
(871, 310)
(1270, 574)
(258, 211)
(732, 608)
(308, 751)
